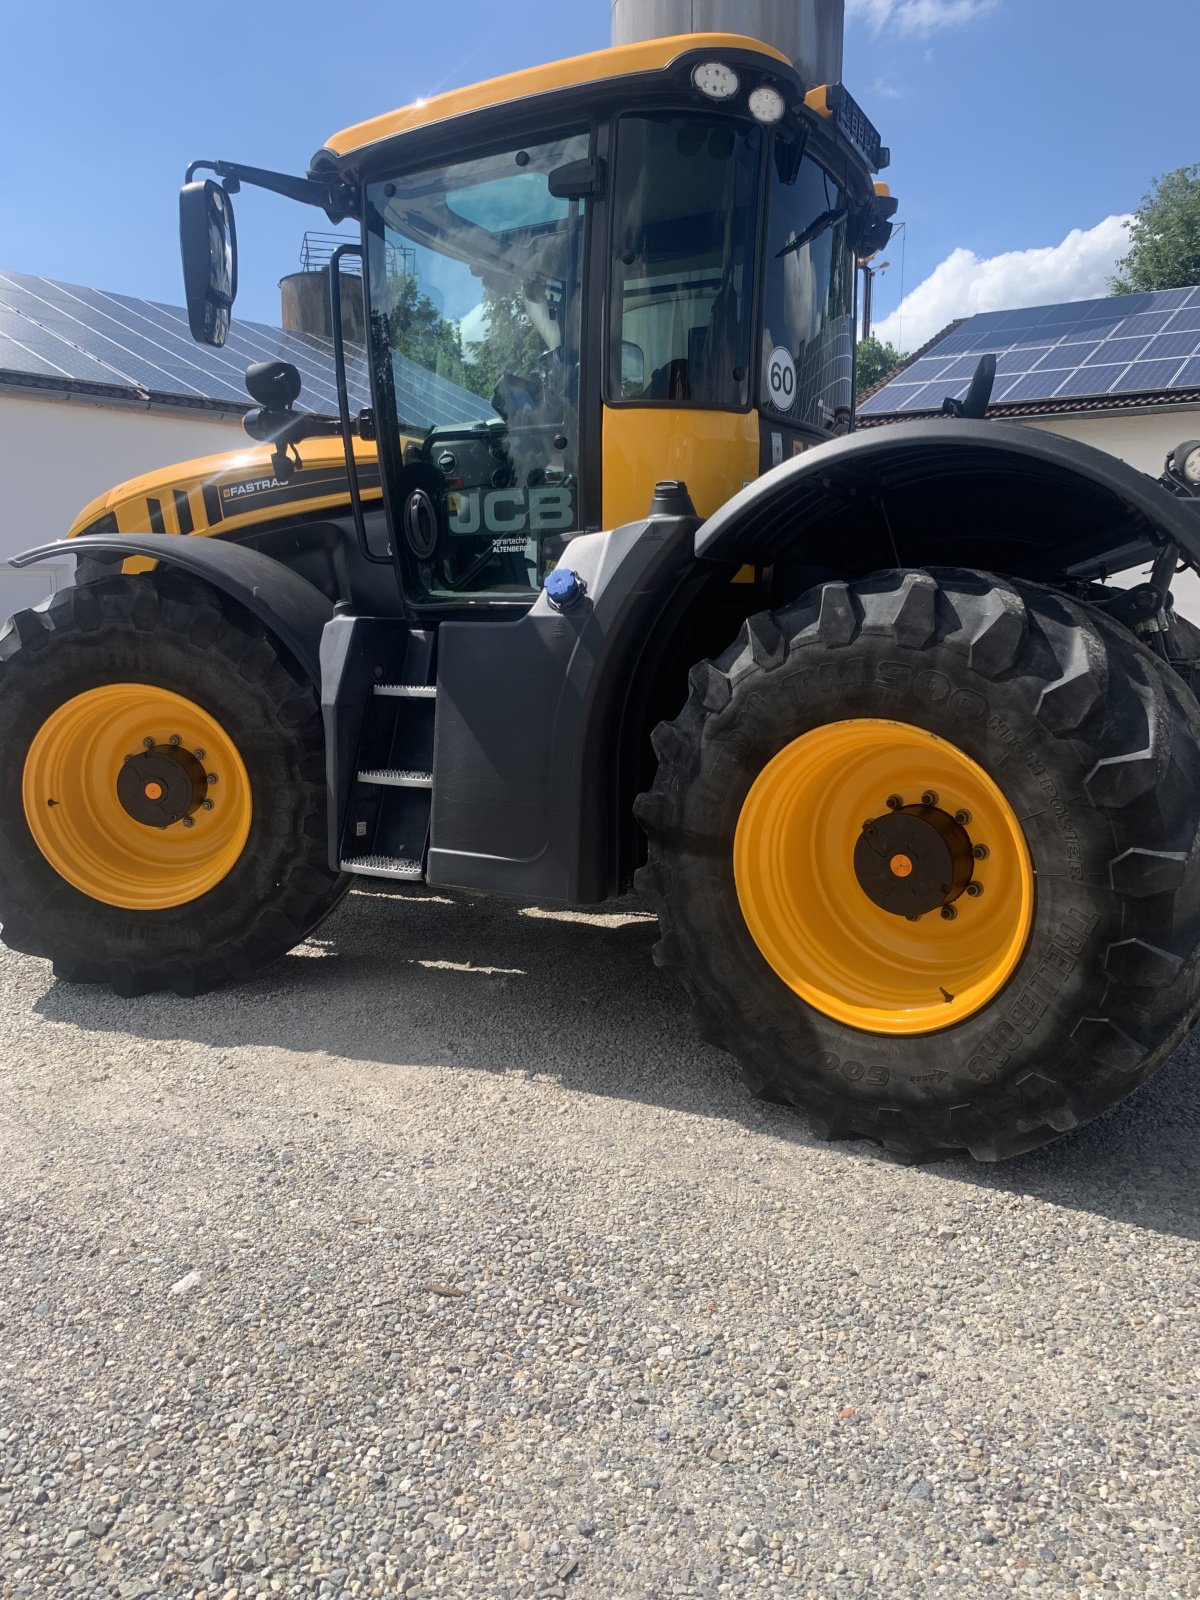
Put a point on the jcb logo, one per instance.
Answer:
(509, 511)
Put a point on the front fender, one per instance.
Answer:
(287, 605)
(952, 492)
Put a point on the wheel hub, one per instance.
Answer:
(913, 860)
(137, 796)
(840, 909)
(162, 786)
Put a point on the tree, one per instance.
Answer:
(1164, 240)
(512, 343)
(420, 332)
(876, 360)
(424, 335)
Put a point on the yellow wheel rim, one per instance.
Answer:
(88, 835)
(822, 931)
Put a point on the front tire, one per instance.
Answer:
(1044, 978)
(162, 800)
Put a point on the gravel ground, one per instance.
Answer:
(442, 1260)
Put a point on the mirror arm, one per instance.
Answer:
(333, 195)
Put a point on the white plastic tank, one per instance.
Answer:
(809, 32)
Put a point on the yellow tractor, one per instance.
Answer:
(604, 587)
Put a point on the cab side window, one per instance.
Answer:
(686, 202)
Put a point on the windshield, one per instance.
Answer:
(686, 219)
(475, 284)
(808, 304)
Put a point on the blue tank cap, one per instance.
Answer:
(564, 588)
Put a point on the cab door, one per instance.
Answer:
(476, 277)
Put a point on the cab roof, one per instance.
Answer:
(652, 55)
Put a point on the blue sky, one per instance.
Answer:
(1022, 130)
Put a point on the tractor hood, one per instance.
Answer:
(223, 494)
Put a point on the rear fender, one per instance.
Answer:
(995, 495)
(287, 605)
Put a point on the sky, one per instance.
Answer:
(1024, 132)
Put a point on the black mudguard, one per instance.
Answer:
(287, 605)
(954, 493)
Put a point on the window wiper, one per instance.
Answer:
(827, 220)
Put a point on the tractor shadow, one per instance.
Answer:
(402, 977)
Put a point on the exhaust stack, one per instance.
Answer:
(809, 32)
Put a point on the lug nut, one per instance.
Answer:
(929, 798)
(981, 852)
(963, 818)
(189, 822)
(199, 754)
(206, 805)
(974, 890)
(894, 802)
(212, 778)
(912, 919)
(147, 744)
(948, 913)
(176, 740)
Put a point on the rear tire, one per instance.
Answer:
(184, 643)
(1095, 746)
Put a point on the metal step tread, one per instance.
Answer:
(391, 778)
(384, 867)
(406, 691)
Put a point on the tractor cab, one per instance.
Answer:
(580, 281)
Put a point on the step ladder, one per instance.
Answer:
(387, 820)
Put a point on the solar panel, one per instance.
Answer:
(890, 398)
(929, 396)
(1145, 322)
(1145, 375)
(1169, 344)
(1095, 380)
(1115, 350)
(960, 367)
(1125, 344)
(1032, 386)
(1066, 357)
(1168, 297)
(928, 368)
(1021, 359)
(76, 334)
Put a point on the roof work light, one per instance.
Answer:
(716, 80)
(767, 106)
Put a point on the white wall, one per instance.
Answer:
(1144, 439)
(57, 455)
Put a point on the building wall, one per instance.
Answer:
(1144, 439)
(57, 455)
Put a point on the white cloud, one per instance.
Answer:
(1077, 269)
(918, 16)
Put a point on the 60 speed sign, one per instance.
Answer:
(781, 379)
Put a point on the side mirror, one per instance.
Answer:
(978, 396)
(874, 225)
(208, 245)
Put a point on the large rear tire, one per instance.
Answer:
(162, 798)
(1021, 748)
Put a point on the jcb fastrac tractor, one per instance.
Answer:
(604, 589)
